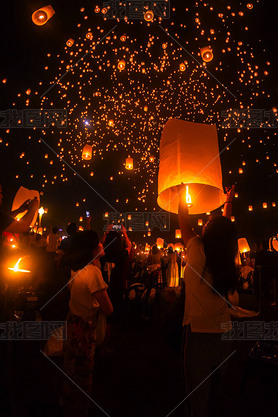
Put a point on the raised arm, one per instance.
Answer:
(22, 225)
(184, 221)
(228, 205)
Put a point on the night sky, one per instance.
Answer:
(139, 102)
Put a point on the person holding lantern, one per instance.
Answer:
(8, 222)
(210, 277)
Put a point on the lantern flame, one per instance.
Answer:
(16, 267)
(188, 197)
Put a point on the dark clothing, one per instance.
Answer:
(203, 353)
(5, 221)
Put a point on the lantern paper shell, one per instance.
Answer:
(22, 195)
(189, 155)
(206, 54)
(129, 163)
(41, 16)
(159, 243)
(243, 245)
(87, 152)
(178, 234)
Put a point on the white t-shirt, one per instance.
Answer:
(205, 310)
(83, 285)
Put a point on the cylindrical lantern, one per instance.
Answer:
(159, 243)
(189, 159)
(200, 222)
(147, 248)
(41, 16)
(206, 54)
(250, 208)
(264, 205)
(243, 245)
(178, 247)
(70, 42)
(178, 234)
(87, 152)
(129, 163)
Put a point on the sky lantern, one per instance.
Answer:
(264, 205)
(111, 123)
(148, 16)
(182, 67)
(87, 152)
(41, 16)
(189, 162)
(151, 158)
(243, 245)
(159, 243)
(129, 163)
(121, 65)
(250, 208)
(200, 222)
(89, 36)
(147, 248)
(178, 234)
(206, 54)
(178, 247)
(70, 42)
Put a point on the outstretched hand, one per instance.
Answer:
(230, 192)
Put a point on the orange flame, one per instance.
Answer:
(16, 268)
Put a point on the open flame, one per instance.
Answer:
(16, 267)
(188, 197)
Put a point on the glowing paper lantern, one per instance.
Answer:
(178, 234)
(243, 245)
(147, 248)
(151, 158)
(250, 208)
(129, 163)
(106, 214)
(200, 222)
(159, 243)
(70, 42)
(22, 195)
(148, 16)
(182, 67)
(87, 152)
(41, 16)
(189, 155)
(264, 205)
(121, 65)
(178, 247)
(206, 54)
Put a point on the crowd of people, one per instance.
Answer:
(97, 274)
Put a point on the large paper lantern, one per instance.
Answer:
(178, 234)
(159, 243)
(41, 16)
(87, 152)
(178, 247)
(243, 245)
(22, 195)
(189, 161)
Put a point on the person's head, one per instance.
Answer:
(154, 249)
(83, 249)
(113, 246)
(71, 229)
(54, 230)
(221, 248)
